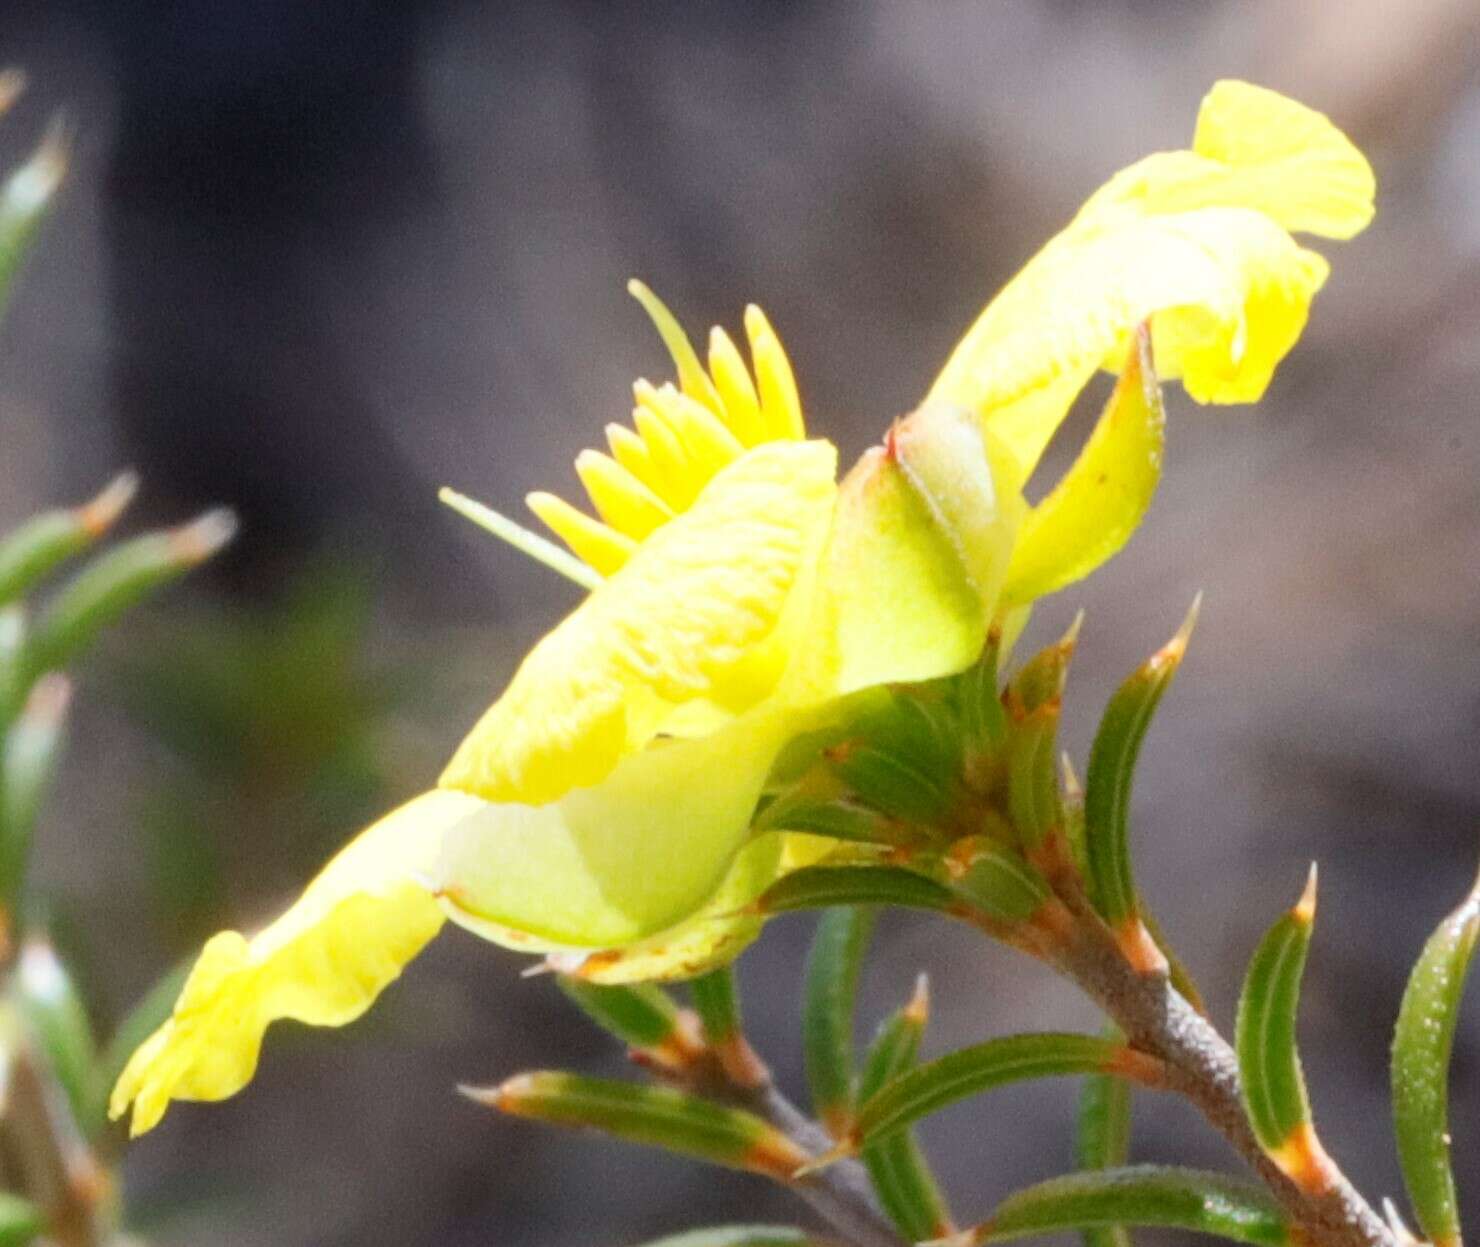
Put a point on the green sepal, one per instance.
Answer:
(897, 1167)
(996, 880)
(838, 817)
(641, 1015)
(1033, 803)
(53, 1011)
(983, 720)
(1422, 1043)
(1112, 765)
(1041, 679)
(828, 997)
(655, 1116)
(1014, 1058)
(1147, 1195)
(1265, 1037)
(819, 887)
(117, 580)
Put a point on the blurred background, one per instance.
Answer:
(315, 260)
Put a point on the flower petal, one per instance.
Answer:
(1256, 149)
(682, 619)
(1196, 241)
(1096, 506)
(1227, 291)
(323, 962)
(634, 855)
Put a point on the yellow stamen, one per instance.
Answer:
(732, 379)
(633, 453)
(709, 443)
(678, 482)
(590, 540)
(781, 408)
(622, 500)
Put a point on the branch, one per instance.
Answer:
(1203, 1068)
(840, 1193)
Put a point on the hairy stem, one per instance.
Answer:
(1203, 1068)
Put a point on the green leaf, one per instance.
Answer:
(1150, 1195)
(28, 760)
(24, 199)
(655, 1116)
(47, 540)
(819, 887)
(827, 1011)
(1112, 764)
(21, 1221)
(897, 1042)
(1015, 1058)
(1102, 1141)
(1422, 1044)
(717, 1002)
(901, 1176)
(1265, 1038)
(738, 1236)
(118, 579)
(1100, 501)
(54, 1013)
(642, 1015)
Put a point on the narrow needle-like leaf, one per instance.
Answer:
(116, 580)
(897, 1167)
(40, 544)
(656, 1116)
(1102, 1141)
(827, 1011)
(641, 1015)
(28, 758)
(1149, 1195)
(1014, 1058)
(819, 887)
(1422, 1044)
(739, 1236)
(1112, 764)
(49, 1002)
(1268, 1053)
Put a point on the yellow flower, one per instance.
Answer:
(599, 813)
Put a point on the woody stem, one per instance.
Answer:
(1202, 1068)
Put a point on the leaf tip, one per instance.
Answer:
(1304, 911)
(917, 1011)
(98, 514)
